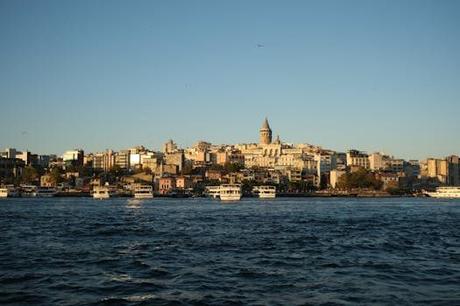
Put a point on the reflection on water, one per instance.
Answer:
(133, 203)
(200, 252)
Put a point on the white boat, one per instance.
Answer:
(101, 192)
(445, 192)
(143, 192)
(213, 191)
(8, 191)
(265, 192)
(46, 192)
(28, 191)
(230, 192)
(3, 192)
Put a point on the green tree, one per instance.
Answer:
(29, 175)
(359, 179)
(233, 167)
(56, 177)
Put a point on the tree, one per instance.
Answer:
(359, 179)
(56, 177)
(233, 167)
(29, 175)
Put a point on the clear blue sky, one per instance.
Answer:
(371, 75)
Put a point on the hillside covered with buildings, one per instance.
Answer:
(293, 168)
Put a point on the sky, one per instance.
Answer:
(370, 75)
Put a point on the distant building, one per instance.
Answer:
(170, 147)
(437, 168)
(166, 185)
(184, 182)
(122, 159)
(73, 157)
(11, 168)
(265, 133)
(453, 173)
(9, 153)
(358, 158)
(104, 160)
(334, 177)
(47, 181)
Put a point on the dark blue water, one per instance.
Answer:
(202, 252)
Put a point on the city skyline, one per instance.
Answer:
(370, 76)
(266, 137)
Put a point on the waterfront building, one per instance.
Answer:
(46, 180)
(334, 177)
(184, 182)
(453, 176)
(389, 180)
(166, 185)
(437, 168)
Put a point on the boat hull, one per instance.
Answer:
(443, 196)
(143, 196)
(234, 197)
(267, 196)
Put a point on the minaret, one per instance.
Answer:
(265, 133)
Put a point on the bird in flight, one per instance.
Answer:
(260, 46)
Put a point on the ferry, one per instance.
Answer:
(101, 193)
(213, 191)
(265, 192)
(143, 192)
(445, 192)
(230, 192)
(28, 191)
(46, 192)
(8, 191)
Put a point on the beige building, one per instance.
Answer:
(104, 160)
(265, 133)
(335, 176)
(437, 168)
(358, 159)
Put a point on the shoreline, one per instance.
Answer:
(280, 195)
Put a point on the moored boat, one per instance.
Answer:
(265, 192)
(28, 191)
(8, 191)
(46, 192)
(445, 192)
(213, 191)
(143, 192)
(230, 192)
(101, 192)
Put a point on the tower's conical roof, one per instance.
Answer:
(265, 125)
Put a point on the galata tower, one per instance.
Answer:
(265, 133)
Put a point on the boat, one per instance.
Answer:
(3, 192)
(230, 192)
(445, 192)
(8, 191)
(265, 192)
(101, 192)
(46, 192)
(28, 191)
(213, 191)
(143, 192)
